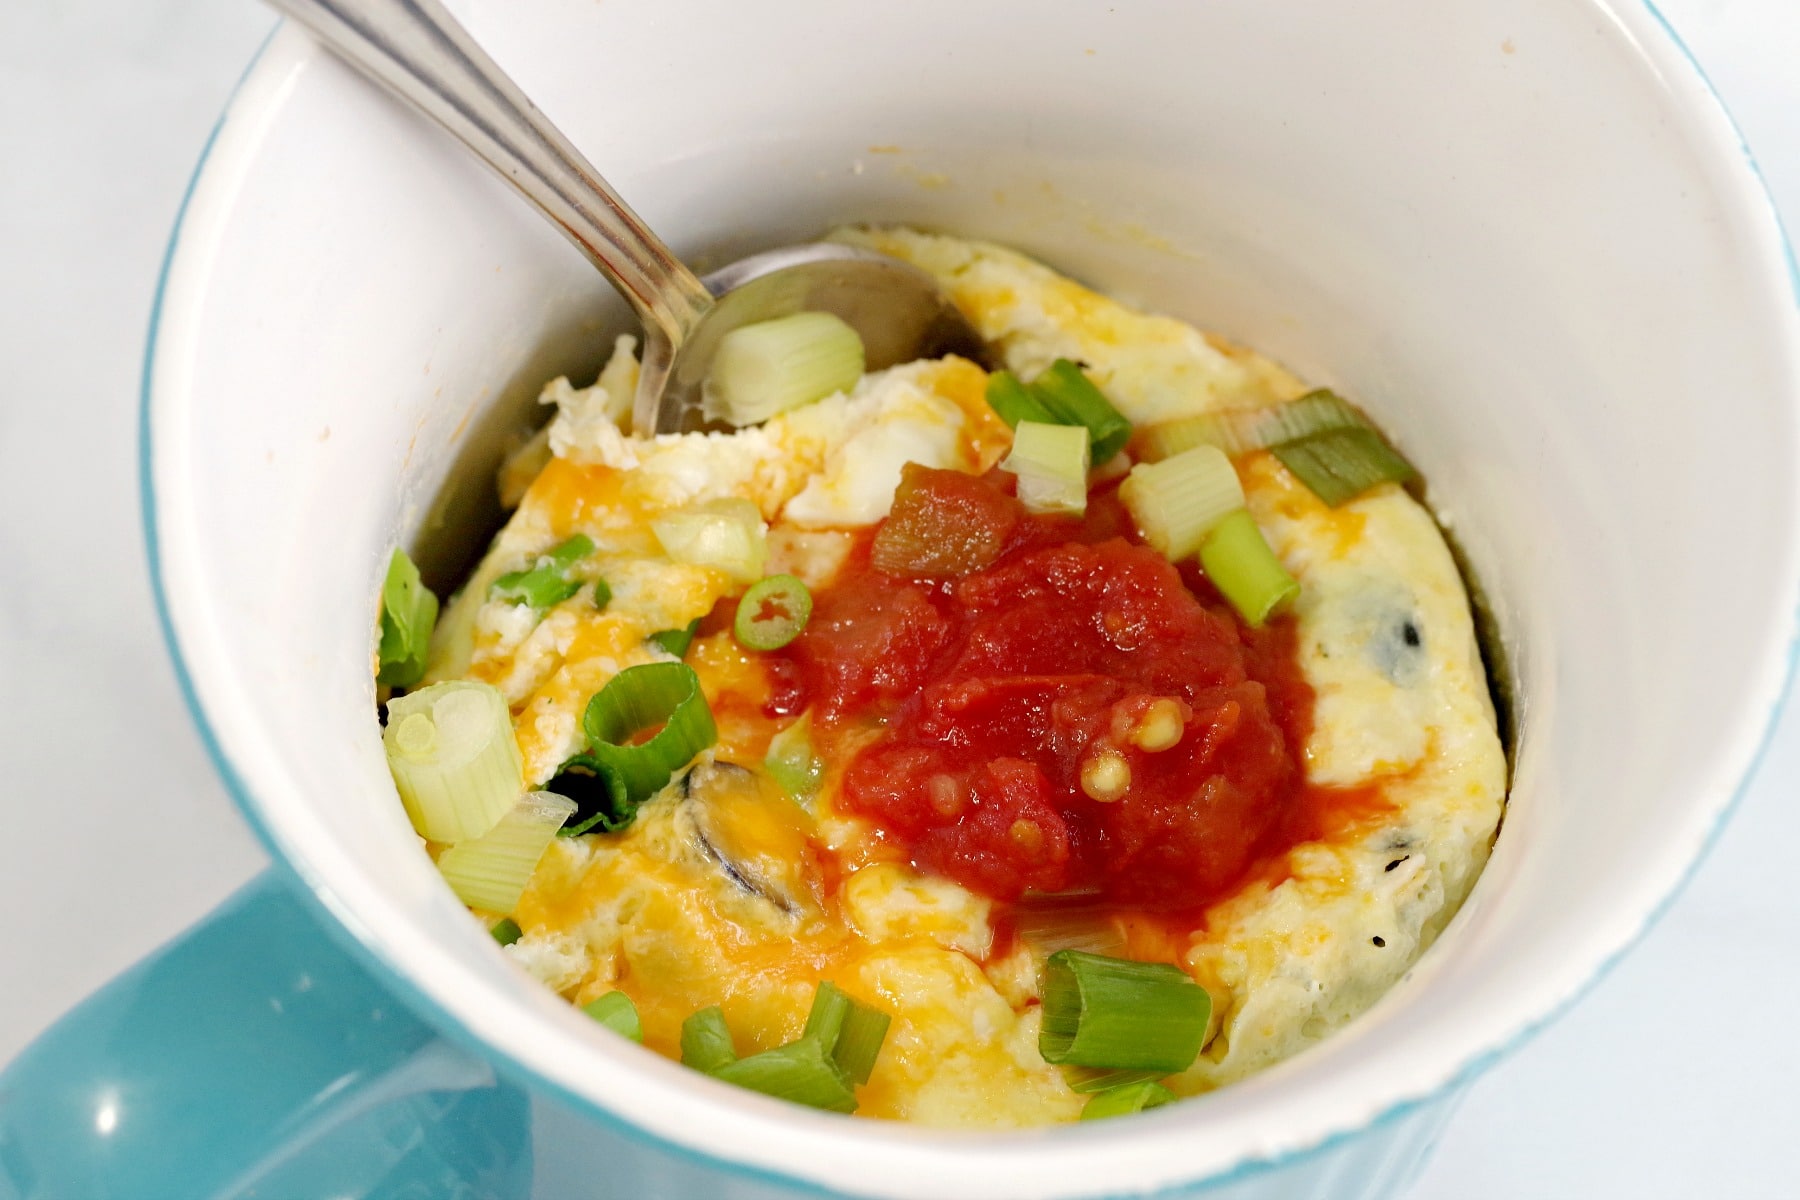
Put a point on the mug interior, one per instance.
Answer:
(1521, 235)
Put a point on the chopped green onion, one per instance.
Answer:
(852, 1032)
(1061, 395)
(725, 534)
(506, 932)
(454, 759)
(408, 611)
(1071, 398)
(626, 774)
(570, 551)
(677, 641)
(825, 1020)
(1051, 462)
(792, 763)
(1126, 1099)
(859, 1042)
(1084, 1081)
(802, 1071)
(546, 583)
(772, 613)
(770, 367)
(1176, 502)
(1329, 446)
(706, 1041)
(1047, 924)
(1238, 561)
(1014, 402)
(1112, 1012)
(640, 698)
(616, 1011)
(491, 871)
(1341, 464)
(540, 587)
(836, 1052)
(1241, 430)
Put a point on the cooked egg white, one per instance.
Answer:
(716, 894)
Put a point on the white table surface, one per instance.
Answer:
(1678, 1076)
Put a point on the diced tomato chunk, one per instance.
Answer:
(867, 646)
(944, 523)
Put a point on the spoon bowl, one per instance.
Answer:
(898, 310)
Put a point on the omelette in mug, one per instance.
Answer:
(972, 748)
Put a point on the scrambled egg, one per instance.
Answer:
(715, 895)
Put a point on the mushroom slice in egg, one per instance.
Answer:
(751, 833)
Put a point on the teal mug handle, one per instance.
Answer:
(254, 1057)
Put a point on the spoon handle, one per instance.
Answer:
(420, 52)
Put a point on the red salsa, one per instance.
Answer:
(1058, 708)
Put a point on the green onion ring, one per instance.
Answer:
(636, 699)
(1124, 1015)
(772, 613)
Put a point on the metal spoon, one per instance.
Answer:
(418, 51)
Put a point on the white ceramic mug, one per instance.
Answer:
(1523, 234)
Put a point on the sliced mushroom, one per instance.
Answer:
(743, 825)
